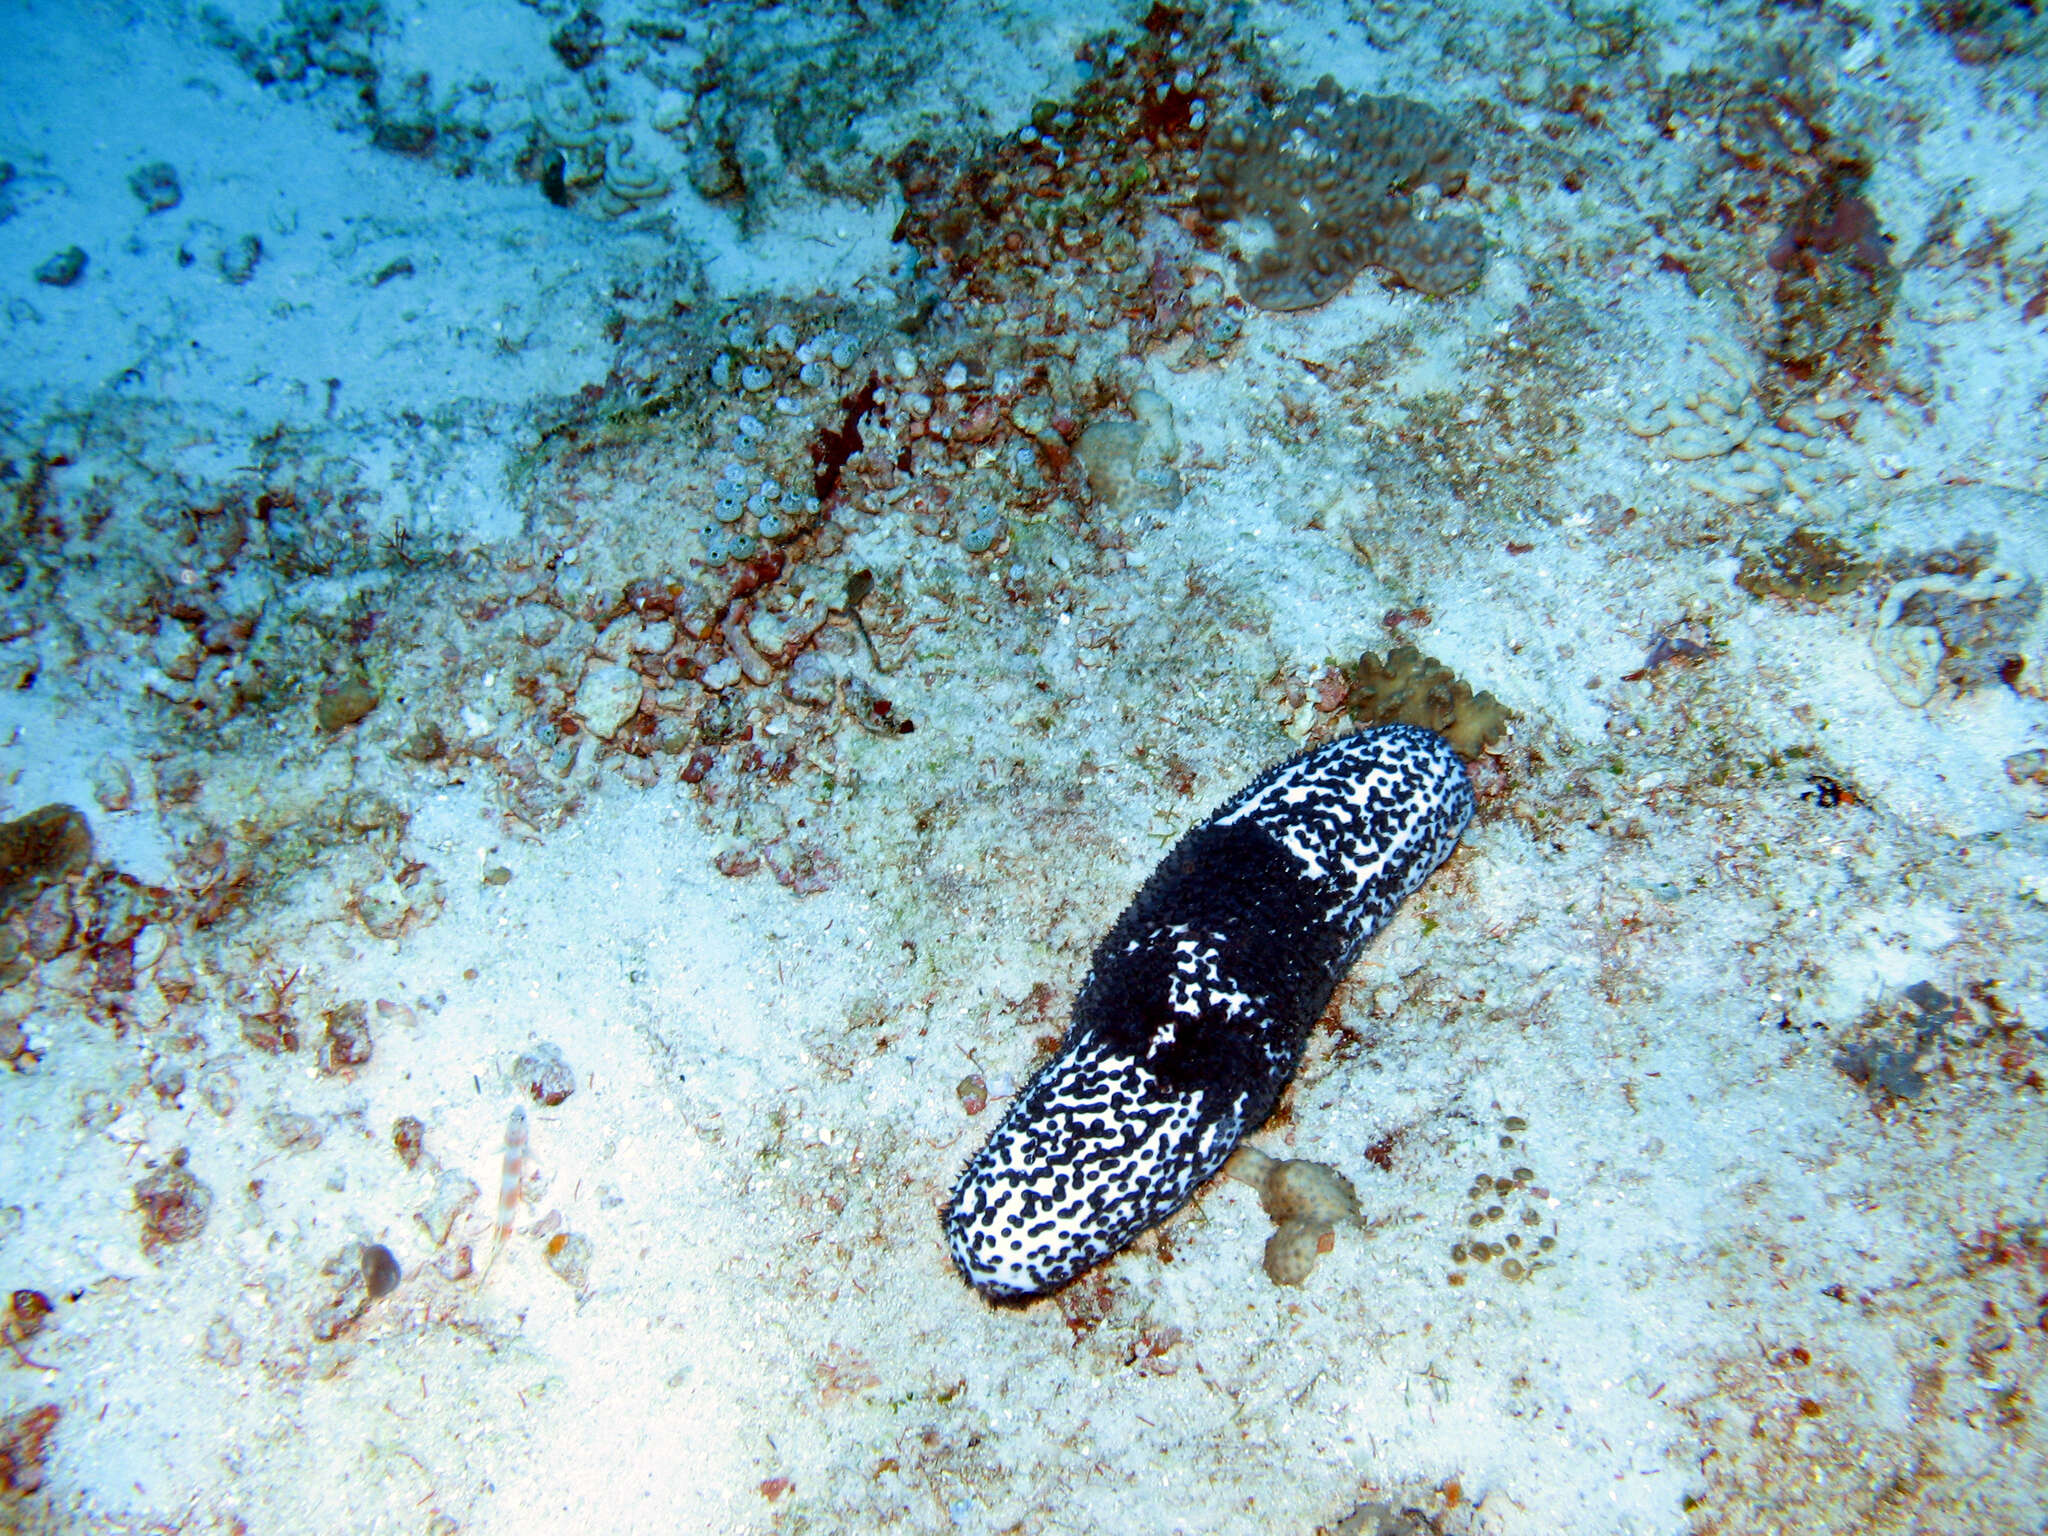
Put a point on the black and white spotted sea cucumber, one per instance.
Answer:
(1198, 1002)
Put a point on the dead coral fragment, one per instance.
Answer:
(1331, 176)
(347, 1043)
(569, 1254)
(454, 1193)
(1410, 688)
(1984, 31)
(544, 1072)
(173, 1203)
(24, 1438)
(1806, 565)
(409, 1138)
(39, 849)
(1306, 1199)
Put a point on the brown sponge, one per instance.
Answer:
(1409, 688)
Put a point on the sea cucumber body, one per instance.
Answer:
(1198, 1001)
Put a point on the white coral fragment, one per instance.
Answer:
(630, 178)
(1730, 449)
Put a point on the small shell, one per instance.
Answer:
(381, 1271)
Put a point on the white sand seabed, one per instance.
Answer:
(1777, 1297)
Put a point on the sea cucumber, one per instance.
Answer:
(1198, 1001)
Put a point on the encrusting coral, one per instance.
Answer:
(1332, 177)
(1806, 566)
(1410, 688)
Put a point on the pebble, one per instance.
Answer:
(343, 703)
(985, 535)
(238, 261)
(608, 697)
(62, 269)
(769, 632)
(568, 1255)
(408, 1139)
(811, 680)
(381, 1272)
(156, 186)
(174, 1204)
(39, 849)
(150, 945)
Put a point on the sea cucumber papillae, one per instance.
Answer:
(1198, 1001)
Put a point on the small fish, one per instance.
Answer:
(510, 1179)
